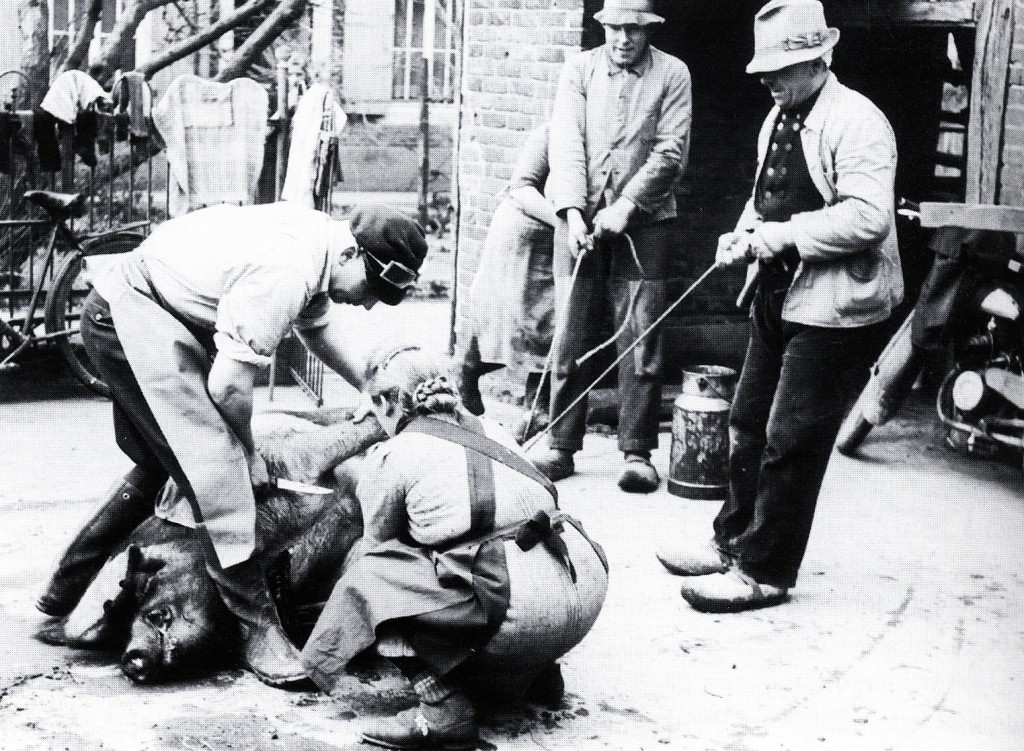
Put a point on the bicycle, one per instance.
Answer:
(63, 298)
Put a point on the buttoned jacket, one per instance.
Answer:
(620, 132)
(849, 272)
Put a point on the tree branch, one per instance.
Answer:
(85, 28)
(122, 37)
(186, 47)
(286, 13)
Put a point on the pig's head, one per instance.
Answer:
(180, 623)
(158, 604)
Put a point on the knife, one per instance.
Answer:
(298, 487)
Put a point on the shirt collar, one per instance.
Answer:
(639, 68)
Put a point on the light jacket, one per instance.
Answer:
(849, 273)
(620, 133)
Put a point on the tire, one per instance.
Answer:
(64, 307)
(855, 427)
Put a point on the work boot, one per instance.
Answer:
(266, 649)
(731, 592)
(127, 505)
(448, 724)
(639, 475)
(547, 688)
(556, 464)
(693, 559)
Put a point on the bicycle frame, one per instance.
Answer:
(62, 236)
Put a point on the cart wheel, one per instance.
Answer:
(64, 309)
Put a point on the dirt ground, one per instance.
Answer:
(905, 631)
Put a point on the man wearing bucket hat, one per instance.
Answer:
(820, 238)
(620, 134)
(179, 329)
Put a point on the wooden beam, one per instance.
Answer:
(973, 216)
(988, 100)
(869, 13)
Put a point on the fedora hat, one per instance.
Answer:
(787, 32)
(622, 12)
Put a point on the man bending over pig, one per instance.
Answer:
(178, 329)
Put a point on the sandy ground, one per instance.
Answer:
(905, 631)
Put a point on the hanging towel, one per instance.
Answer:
(215, 134)
(70, 93)
(309, 152)
(133, 95)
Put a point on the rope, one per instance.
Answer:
(529, 444)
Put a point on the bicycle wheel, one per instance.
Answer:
(64, 307)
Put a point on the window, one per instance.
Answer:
(418, 22)
(62, 18)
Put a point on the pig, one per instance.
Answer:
(155, 602)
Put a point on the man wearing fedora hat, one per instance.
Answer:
(620, 134)
(819, 235)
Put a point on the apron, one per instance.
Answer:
(512, 299)
(447, 601)
(171, 367)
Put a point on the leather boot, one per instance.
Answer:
(127, 505)
(266, 649)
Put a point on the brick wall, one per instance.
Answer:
(1011, 183)
(514, 50)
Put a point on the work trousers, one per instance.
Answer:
(136, 429)
(609, 278)
(789, 404)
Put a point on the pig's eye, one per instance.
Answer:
(160, 617)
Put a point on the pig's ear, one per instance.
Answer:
(95, 621)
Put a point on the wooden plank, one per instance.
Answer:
(933, 12)
(988, 99)
(868, 13)
(973, 216)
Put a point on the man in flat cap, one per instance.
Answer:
(620, 134)
(179, 329)
(820, 238)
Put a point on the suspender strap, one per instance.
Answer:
(478, 443)
(482, 502)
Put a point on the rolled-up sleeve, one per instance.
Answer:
(567, 184)
(671, 149)
(256, 312)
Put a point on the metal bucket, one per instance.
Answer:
(699, 460)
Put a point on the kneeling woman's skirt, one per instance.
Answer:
(502, 611)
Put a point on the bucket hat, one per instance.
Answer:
(393, 248)
(787, 32)
(622, 12)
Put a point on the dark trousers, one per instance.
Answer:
(136, 429)
(608, 280)
(789, 404)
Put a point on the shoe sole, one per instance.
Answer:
(454, 746)
(300, 683)
(728, 606)
(678, 571)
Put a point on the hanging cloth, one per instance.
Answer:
(313, 151)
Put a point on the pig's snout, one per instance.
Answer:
(139, 666)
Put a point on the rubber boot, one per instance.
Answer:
(127, 505)
(266, 649)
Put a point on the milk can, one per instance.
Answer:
(699, 460)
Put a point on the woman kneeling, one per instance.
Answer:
(469, 577)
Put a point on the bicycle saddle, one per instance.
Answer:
(58, 204)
